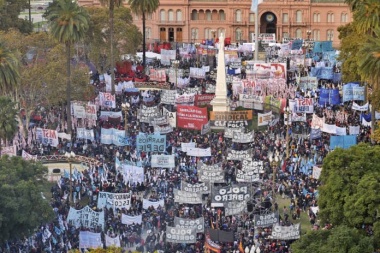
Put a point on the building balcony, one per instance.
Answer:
(171, 23)
(198, 21)
(298, 23)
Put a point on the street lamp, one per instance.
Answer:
(308, 32)
(274, 164)
(288, 114)
(175, 65)
(70, 157)
(125, 107)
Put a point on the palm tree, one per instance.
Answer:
(9, 70)
(369, 67)
(143, 7)
(8, 121)
(111, 7)
(367, 15)
(68, 24)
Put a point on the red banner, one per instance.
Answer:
(203, 99)
(191, 117)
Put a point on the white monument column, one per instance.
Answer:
(220, 103)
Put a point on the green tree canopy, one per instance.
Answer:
(9, 70)
(8, 122)
(9, 16)
(22, 207)
(341, 239)
(349, 194)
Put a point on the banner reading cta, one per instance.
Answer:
(191, 117)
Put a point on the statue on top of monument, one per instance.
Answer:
(221, 42)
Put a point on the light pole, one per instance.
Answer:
(70, 157)
(288, 113)
(308, 32)
(274, 164)
(175, 65)
(125, 107)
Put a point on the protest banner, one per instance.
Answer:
(132, 173)
(163, 129)
(361, 108)
(191, 117)
(90, 240)
(203, 100)
(114, 200)
(317, 122)
(197, 73)
(266, 220)
(184, 197)
(106, 115)
(155, 204)
(210, 173)
(235, 208)
(197, 187)
(26, 156)
(106, 99)
(78, 110)
(112, 242)
(292, 232)
(243, 137)
(171, 117)
(198, 224)
(161, 120)
(151, 142)
(145, 113)
(304, 105)
(185, 146)
(344, 141)
(229, 132)
(192, 90)
(251, 98)
(86, 217)
(250, 171)
(264, 119)
(232, 193)
(206, 128)
(274, 104)
(87, 134)
(129, 220)
(239, 154)
(158, 75)
(90, 112)
(199, 152)
(47, 137)
(9, 150)
(180, 235)
(113, 136)
(316, 172)
(184, 99)
(230, 119)
(167, 56)
(329, 97)
(352, 91)
(315, 133)
(308, 83)
(162, 161)
(168, 97)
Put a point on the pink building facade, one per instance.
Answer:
(193, 21)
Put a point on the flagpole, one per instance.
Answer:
(256, 32)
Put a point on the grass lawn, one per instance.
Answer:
(305, 223)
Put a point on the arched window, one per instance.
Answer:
(171, 15)
(222, 15)
(298, 16)
(208, 15)
(221, 31)
(251, 17)
(208, 34)
(298, 33)
(149, 16)
(238, 34)
(238, 16)
(194, 34)
(330, 17)
(179, 15)
(330, 35)
(316, 17)
(194, 15)
(162, 15)
(316, 35)
(344, 18)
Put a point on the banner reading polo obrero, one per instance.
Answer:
(286, 232)
(183, 197)
(250, 171)
(210, 173)
(235, 208)
(266, 220)
(162, 161)
(230, 193)
(106, 99)
(191, 117)
(197, 187)
(230, 119)
(180, 235)
(264, 119)
(198, 224)
(239, 154)
(151, 142)
(243, 137)
(47, 136)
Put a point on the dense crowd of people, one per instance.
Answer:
(292, 176)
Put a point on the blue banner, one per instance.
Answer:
(329, 97)
(151, 142)
(297, 44)
(113, 136)
(315, 134)
(322, 73)
(352, 91)
(343, 141)
(337, 78)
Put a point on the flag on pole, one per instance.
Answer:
(241, 248)
(255, 5)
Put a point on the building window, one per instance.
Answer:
(149, 16)
(239, 34)
(285, 18)
(330, 17)
(316, 17)
(344, 18)
(208, 15)
(222, 15)
(171, 15)
(207, 33)
(136, 17)
(316, 35)
(162, 15)
(194, 15)
(221, 31)
(194, 34)
(298, 16)
(330, 35)
(238, 16)
(252, 17)
(298, 34)
(179, 15)
(285, 35)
